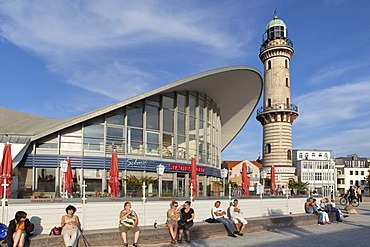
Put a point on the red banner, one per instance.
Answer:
(185, 168)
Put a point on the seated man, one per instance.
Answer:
(321, 211)
(311, 208)
(236, 217)
(218, 214)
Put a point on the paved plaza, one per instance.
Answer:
(353, 231)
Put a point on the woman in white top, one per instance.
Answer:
(70, 224)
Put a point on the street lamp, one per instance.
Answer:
(263, 176)
(224, 173)
(160, 172)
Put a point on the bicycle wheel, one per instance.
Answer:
(355, 202)
(343, 201)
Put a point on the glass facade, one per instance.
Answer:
(170, 128)
(176, 126)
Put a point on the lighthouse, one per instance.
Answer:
(277, 113)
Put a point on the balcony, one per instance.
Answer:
(285, 42)
(278, 108)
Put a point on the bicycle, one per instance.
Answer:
(344, 200)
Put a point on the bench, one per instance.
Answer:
(200, 230)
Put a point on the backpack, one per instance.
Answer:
(3, 231)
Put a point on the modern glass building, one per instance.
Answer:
(194, 117)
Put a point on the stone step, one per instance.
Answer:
(200, 230)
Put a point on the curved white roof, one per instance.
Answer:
(236, 91)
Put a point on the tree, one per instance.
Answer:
(299, 186)
(135, 184)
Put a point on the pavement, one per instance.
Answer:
(353, 231)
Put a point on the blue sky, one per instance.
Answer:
(64, 58)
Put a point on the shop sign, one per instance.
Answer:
(185, 168)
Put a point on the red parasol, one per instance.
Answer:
(68, 176)
(194, 176)
(6, 168)
(273, 184)
(245, 180)
(113, 176)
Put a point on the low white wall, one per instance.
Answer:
(104, 215)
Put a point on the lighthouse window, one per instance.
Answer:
(286, 63)
(268, 148)
(287, 82)
(269, 65)
(289, 155)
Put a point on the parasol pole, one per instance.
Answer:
(3, 201)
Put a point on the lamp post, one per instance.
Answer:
(160, 172)
(263, 176)
(224, 172)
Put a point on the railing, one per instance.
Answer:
(280, 107)
(288, 42)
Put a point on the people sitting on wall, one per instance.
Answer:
(186, 220)
(329, 208)
(70, 224)
(173, 215)
(128, 221)
(219, 215)
(236, 216)
(311, 208)
(325, 215)
(19, 230)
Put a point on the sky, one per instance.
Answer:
(64, 58)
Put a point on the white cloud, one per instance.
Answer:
(342, 143)
(81, 40)
(332, 72)
(334, 105)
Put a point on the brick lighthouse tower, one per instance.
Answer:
(277, 113)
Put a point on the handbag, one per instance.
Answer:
(181, 223)
(57, 230)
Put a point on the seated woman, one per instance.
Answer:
(19, 230)
(186, 221)
(173, 215)
(70, 224)
(128, 220)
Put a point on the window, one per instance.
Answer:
(286, 63)
(289, 155)
(94, 137)
(117, 119)
(350, 172)
(135, 115)
(268, 102)
(300, 155)
(287, 82)
(135, 141)
(168, 117)
(313, 155)
(167, 145)
(115, 140)
(152, 143)
(268, 148)
(181, 103)
(45, 179)
(318, 176)
(320, 155)
(362, 173)
(306, 156)
(287, 102)
(269, 65)
(351, 182)
(356, 172)
(152, 117)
